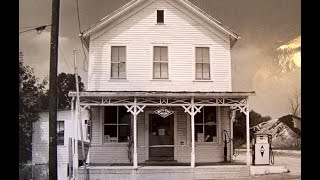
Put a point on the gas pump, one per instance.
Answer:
(262, 151)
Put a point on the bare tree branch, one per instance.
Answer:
(295, 103)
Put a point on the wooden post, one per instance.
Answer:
(248, 133)
(135, 154)
(231, 136)
(192, 134)
(53, 90)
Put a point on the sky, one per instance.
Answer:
(266, 59)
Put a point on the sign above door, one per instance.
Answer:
(163, 112)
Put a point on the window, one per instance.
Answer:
(116, 124)
(160, 62)
(60, 132)
(118, 62)
(206, 125)
(160, 16)
(202, 63)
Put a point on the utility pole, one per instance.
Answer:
(53, 90)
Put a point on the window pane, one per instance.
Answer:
(198, 55)
(114, 54)
(205, 55)
(110, 133)
(156, 70)
(198, 118)
(60, 132)
(114, 70)
(198, 71)
(199, 133)
(210, 132)
(164, 54)
(160, 16)
(110, 115)
(164, 70)
(124, 116)
(210, 115)
(122, 54)
(156, 54)
(206, 71)
(124, 132)
(122, 70)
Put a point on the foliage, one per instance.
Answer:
(239, 126)
(29, 92)
(65, 83)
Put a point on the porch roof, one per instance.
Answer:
(226, 94)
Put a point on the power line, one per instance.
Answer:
(64, 58)
(33, 26)
(79, 25)
(38, 28)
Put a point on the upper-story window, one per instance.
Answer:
(202, 63)
(160, 62)
(160, 16)
(60, 132)
(118, 62)
(116, 124)
(206, 125)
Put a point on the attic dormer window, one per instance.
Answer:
(160, 16)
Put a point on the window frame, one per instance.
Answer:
(113, 124)
(161, 62)
(118, 62)
(64, 130)
(203, 126)
(195, 64)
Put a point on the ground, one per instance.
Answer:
(291, 159)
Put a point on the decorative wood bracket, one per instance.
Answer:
(188, 109)
(131, 109)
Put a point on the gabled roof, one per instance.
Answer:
(134, 3)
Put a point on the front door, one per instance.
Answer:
(161, 139)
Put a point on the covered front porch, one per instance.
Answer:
(167, 127)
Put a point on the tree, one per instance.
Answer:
(239, 126)
(295, 103)
(65, 83)
(29, 92)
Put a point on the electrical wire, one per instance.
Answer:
(80, 32)
(64, 58)
(38, 28)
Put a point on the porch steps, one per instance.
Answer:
(169, 172)
(162, 162)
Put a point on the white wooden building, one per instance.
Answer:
(152, 58)
(40, 144)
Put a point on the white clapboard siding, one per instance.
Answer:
(181, 32)
(40, 137)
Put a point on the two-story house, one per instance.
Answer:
(159, 86)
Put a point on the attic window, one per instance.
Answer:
(160, 16)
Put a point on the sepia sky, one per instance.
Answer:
(266, 59)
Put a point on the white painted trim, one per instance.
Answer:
(175, 132)
(146, 135)
(124, 44)
(219, 125)
(194, 46)
(188, 129)
(102, 126)
(157, 44)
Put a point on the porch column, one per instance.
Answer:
(192, 134)
(135, 155)
(231, 135)
(248, 133)
(75, 136)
